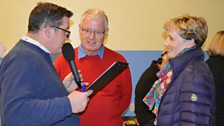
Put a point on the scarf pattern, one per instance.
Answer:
(153, 97)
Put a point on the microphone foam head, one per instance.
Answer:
(68, 51)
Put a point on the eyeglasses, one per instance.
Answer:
(89, 32)
(66, 31)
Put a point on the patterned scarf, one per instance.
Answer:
(153, 97)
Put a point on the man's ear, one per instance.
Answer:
(48, 31)
(80, 28)
(106, 32)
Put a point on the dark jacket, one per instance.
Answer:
(144, 116)
(216, 64)
(190, 97)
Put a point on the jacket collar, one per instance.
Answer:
(179, 63)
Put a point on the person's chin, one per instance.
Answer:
(57, 51)
(60, 50)
(170, 55)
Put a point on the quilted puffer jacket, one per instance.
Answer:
(190, 97)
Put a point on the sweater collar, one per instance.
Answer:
(36, 43)
(82, 53)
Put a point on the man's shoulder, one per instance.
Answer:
(113, 53)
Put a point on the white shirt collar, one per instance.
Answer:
(34, 42)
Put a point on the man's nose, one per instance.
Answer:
(92, 34)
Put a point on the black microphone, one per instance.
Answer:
(69, 54)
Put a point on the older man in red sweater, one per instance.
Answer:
(92, 59)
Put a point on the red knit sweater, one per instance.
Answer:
(106, 107)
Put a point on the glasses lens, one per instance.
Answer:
(90, 32)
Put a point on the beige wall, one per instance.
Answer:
(134, 24)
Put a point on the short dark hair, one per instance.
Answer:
(47, 14)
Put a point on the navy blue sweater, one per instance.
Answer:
(31, 92)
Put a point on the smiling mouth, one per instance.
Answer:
(91, 43)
